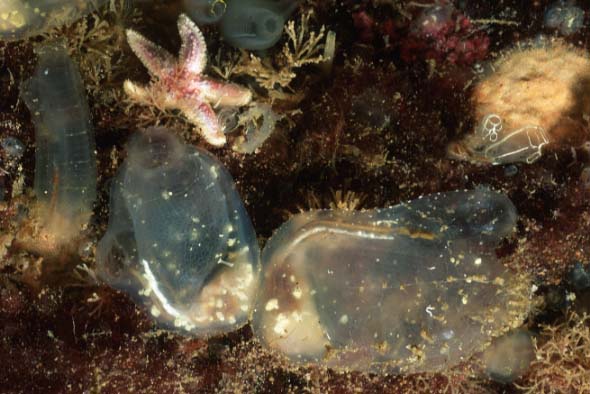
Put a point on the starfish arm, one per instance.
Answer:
(193, 51)
(224, 94)
(135, 92)
(205, 118)
(155, 58)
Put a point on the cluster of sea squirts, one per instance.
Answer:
(410, 288)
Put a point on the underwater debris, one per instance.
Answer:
(411, 288)
(564, 16)
(255, 24)
(179, 240)
(65, 157)
(20, 19)
(259, 122)
(180, 84)
(534, 97)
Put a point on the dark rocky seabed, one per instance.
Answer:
(372, 132)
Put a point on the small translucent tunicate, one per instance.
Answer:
(564, 16)
(12, 147)
(509, 356)
(511, 170)
(499, 145)
(205, 12)
(493, 143)
(579, 277)
(179, 240)
(65, 157)
(432, 20)
(411, 288)
(255, 24)
(259, 122)
(329, 53)
(23, 18)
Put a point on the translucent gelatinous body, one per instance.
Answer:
(259, 122)
(12, 147)
(509, 356)
(432, 20)
(498, 145)
(579, 277)
(179, 239)
(564, 16)
(411, 288)
(205, 12)
(255, 24)
(23, 18)
(65, 158)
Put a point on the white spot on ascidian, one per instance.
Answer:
(272, 305)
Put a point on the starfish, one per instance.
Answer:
(180, 83)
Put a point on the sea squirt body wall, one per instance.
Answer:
(20, 19)
(411, 288)
(65, 158)
(179, 239)
(205, 12)
(255, 24)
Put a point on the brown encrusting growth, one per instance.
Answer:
(542, 88)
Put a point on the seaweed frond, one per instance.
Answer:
(97, 44)
(303, 47)
(562, 362)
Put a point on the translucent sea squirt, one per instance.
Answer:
(20, 19)
(411, 288)
(179, 239)
(255, 24)
(564, 16)
(205, 12)
(536, 95)
(65, 157)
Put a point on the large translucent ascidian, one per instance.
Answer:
(411, 288)
(248, 24)
(65, 157)
(205, 12)
(255, 24)
(179, 240)
(20, 19)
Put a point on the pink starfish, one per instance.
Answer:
(180, 84)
